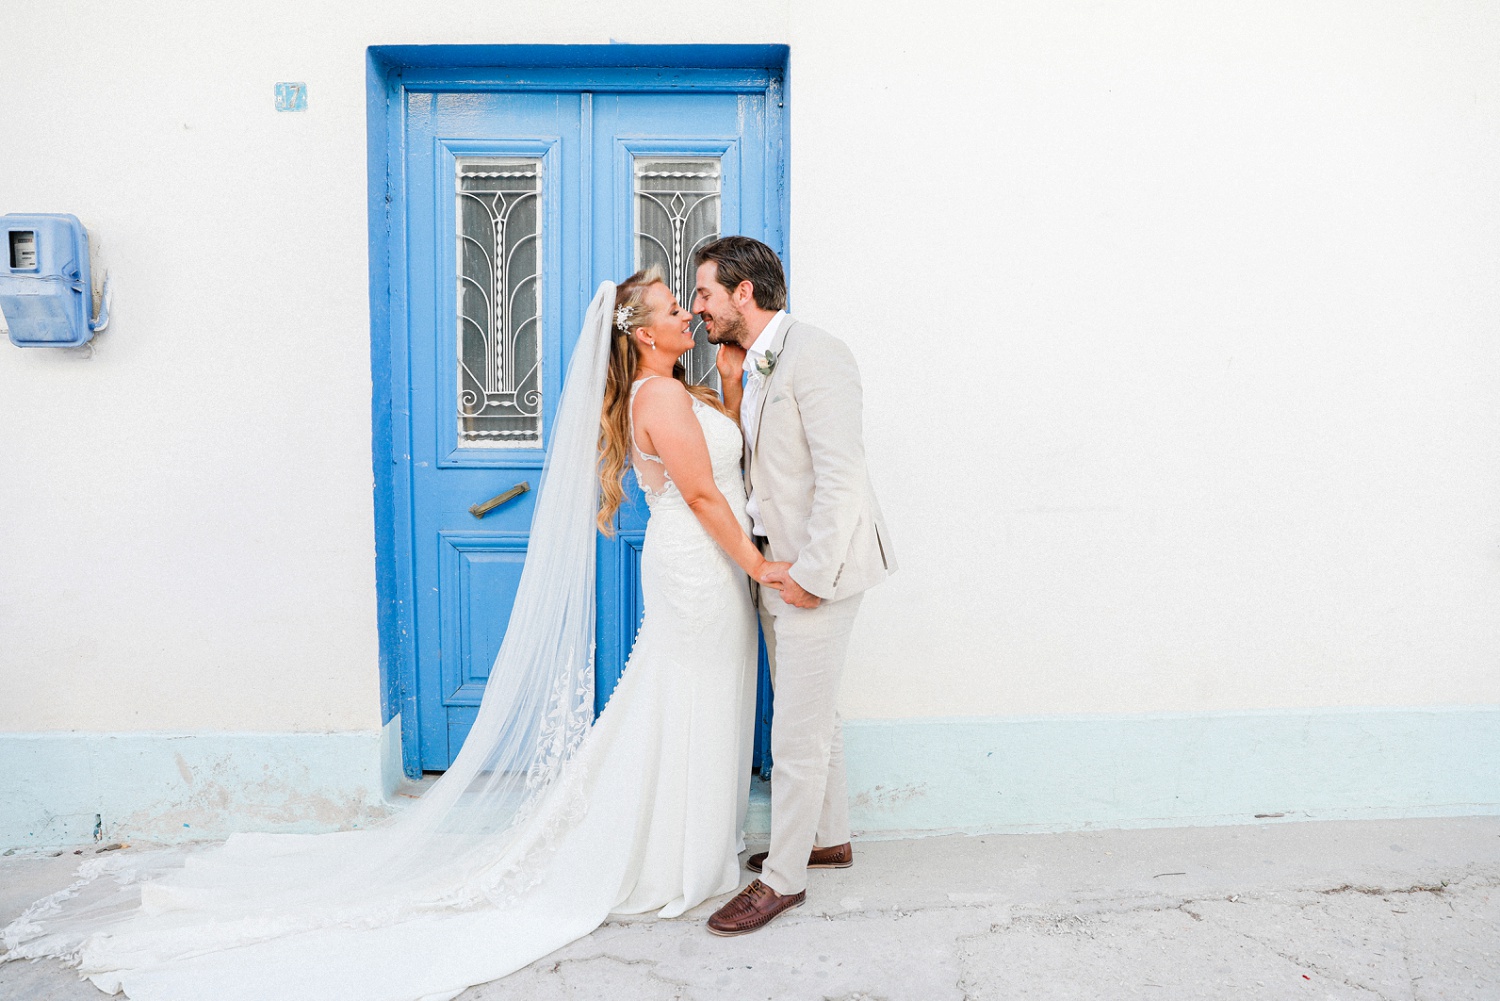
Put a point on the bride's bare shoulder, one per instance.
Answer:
(663, 395)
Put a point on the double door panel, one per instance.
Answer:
(519, 202)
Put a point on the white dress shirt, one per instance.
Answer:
(750, 403)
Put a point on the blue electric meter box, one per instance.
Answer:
(45, 290)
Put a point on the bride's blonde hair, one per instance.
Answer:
(624, 363)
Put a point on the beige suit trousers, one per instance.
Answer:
(809, 789)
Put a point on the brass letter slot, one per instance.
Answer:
(480, 510)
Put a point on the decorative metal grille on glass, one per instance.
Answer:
(499, 303)
(676, 212)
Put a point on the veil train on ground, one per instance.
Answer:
(469, 842)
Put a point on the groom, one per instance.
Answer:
(814, 515)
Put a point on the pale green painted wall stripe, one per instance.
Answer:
(1178, 769)
(168, 787)
(906, 776)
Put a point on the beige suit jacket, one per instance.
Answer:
(807, 467)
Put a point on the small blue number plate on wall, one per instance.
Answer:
(291, 97)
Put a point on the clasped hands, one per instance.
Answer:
(776, 575)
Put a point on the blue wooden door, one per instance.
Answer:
(519, 200)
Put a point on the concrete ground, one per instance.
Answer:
(1353, 909)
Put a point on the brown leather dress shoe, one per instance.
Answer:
(752, 908)
(837, 857)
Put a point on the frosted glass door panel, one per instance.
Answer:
(677, 205)
(499, 303)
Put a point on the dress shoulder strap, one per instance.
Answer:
(636, 388)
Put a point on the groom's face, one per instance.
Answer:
(722, 319)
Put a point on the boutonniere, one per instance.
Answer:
(766, 364)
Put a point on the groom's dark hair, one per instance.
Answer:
(741, 259)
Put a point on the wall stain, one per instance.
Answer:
(881, 797)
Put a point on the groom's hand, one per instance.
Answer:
(791, 592)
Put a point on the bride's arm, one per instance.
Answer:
(730, 361)
(665, 422)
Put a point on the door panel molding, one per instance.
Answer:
(618, 630)
(445, 157)
(460, 558)
(627, 148)
(610, 79)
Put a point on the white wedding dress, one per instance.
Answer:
(645, 813)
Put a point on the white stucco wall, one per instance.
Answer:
(1186, 382)
(1176, 322)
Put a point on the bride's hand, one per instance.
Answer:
(730, 361)
(773, 575)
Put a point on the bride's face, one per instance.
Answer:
(669, 326)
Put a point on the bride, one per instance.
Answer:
(545, 824)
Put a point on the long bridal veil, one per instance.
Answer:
(475, 837)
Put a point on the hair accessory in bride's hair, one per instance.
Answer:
(622, 318)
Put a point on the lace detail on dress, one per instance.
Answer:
(650, 471)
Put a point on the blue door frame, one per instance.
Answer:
(392, 73)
